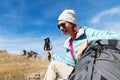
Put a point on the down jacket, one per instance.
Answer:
(83, 34)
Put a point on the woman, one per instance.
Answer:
(61, 67)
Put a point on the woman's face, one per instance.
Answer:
(66, 27)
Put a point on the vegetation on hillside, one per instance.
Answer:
(17, 66)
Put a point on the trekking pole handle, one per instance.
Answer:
(48, 47)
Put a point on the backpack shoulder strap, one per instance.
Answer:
(93, 55)
(91, 66)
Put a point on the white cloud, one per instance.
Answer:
(113, 27)
(15, 45)
(110, 12)
(107, 19)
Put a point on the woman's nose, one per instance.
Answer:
(61, 28)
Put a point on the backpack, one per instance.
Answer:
(100, 61)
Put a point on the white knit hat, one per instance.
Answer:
(68, 15)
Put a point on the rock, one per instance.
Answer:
(30, 54)
(36, 76)
(3, 51)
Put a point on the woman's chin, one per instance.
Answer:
(66, 33)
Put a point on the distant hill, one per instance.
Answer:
(18, 67)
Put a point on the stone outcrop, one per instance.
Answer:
(30, 54)
(36, 76)
(3, 51)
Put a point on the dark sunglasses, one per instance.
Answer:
(63, 25)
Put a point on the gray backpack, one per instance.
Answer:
(100, 61)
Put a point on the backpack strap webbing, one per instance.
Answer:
(93, 55)
(91, 66)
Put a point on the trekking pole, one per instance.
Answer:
(47, 47)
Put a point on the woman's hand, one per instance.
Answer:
(49, 54)
(81, 49)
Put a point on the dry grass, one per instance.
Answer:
(14, 65)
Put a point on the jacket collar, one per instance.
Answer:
(80, 33)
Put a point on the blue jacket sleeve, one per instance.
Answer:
(67, 59)
(93, 34)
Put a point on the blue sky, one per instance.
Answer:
(25, 23)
